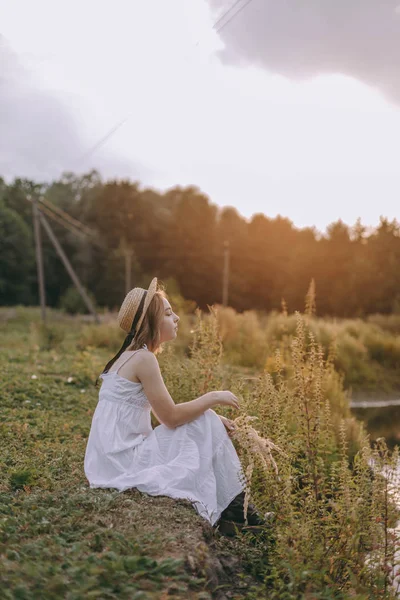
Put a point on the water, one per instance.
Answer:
(374, 403)
(381, 418)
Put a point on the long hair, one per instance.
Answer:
(149, 332)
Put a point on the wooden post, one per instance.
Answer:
(39, 256)
(127, 252)
(68, 266)
(128, 270)
(225, 276)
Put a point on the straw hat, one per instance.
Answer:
(131, 304)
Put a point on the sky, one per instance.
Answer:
(293, 108)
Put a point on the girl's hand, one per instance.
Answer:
(229, 425)
(224, 398)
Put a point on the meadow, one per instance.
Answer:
(330, 490)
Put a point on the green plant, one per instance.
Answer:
(46, 336)
(333, 506)
(72, 302)
(333, 536)
(103, 335)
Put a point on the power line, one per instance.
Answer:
(71, 228)
(233, 16)
(104, 139)
(60, 221)
(75, 222)
(139, 245)
(108, 135)
(68, 222)
(222, 17)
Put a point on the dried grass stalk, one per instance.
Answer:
(257, 448)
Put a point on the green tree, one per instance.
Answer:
(16, 258)
(193, 252)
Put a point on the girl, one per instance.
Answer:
(189, 455)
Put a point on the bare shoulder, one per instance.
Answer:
(146, 364)
(141, 365)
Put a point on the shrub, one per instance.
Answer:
(389, 323)
(330, 491)
(72, 302)
(86, 367)
(45, 336)
(19, 479)
(245, 342)
(103, 335)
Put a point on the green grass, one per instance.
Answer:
(59, 538)
(71, 543)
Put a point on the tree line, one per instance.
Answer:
(179, 235)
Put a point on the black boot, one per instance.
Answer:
(235, 512)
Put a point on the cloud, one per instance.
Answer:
(39, 136)
(264, 137)
(304, 38)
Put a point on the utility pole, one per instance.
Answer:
(128, 270)
(68, 266)
(225, 275)
(39, 256)
(127, 252)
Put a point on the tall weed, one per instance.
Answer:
(308, 461)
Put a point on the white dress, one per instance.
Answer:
(195, 461)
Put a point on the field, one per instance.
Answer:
(59, 539)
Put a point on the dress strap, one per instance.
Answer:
(130, 356)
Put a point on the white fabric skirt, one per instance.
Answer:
(196, 461)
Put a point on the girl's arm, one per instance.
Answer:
(167, 412)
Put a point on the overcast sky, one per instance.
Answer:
(293, 108)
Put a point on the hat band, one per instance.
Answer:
(129, 337)
(138, 315)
